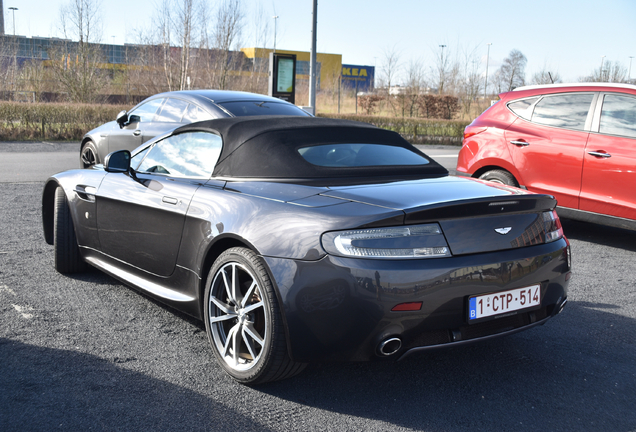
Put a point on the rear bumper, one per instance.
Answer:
(522, 322)
(340, 308)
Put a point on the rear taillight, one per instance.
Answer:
(472, 131)
(553, 228)
(546, 229)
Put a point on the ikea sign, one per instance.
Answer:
(354, 71)
(360, 77)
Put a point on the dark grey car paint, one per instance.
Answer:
(110, 136)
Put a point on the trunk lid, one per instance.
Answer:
(475, 216)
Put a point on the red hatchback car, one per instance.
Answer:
(576, 142)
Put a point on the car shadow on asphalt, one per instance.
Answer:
(599, 234)
(534, 380)
(95, 276)
(54, 389)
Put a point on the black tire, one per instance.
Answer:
(250, 310)
(67, 255)
(500, 176)
(89, 155)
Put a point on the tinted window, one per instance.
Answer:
(618, 116)
(521, 107)
(172, 111)
(567, 111)
(360, 155)
(146, 112)
(195, 114)
(192, 154)
(240, 109)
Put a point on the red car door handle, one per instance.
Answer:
(520, 143)
(599, 154)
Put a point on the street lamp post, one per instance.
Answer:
(487, 59)
(441, 71)
(275, 19)
(629, 74)
(13, 9)
(601, 71)
(312, 59)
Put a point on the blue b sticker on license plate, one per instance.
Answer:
(503, 302)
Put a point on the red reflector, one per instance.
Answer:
(414, 306)
(468, 132)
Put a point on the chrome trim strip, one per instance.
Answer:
(151, 287)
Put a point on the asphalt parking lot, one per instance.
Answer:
(88, 353)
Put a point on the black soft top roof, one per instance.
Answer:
(266, 147)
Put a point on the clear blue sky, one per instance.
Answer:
(566, 36)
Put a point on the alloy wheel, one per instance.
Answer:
(238, 321)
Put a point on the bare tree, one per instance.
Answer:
(390, 66)
(8, 63)
(146, 73)
(441, 67)
(33, 77)
(415, 84)
(260, 36)
(611, 72)
(185, 12)
(79, 19)
(177, 21)
(546, 76)
(471, 80)
(77, 68)
(227, 35)
(512, 72)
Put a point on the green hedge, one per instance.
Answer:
(52, 121)
(415, 130)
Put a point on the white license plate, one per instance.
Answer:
(503, 302)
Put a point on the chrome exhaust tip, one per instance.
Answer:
(562, 306)
(389, 346)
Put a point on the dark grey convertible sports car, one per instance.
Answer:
(305, 239)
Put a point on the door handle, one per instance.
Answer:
(520, 143)
(169, 200)
(137, 132)
(600, 154)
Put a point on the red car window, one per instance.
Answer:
(619, 116)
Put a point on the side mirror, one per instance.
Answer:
(117, 162)
(122, 118)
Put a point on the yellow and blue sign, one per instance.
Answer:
(363, 76)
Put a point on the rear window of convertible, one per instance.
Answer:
(360, 155)
(251, 108)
